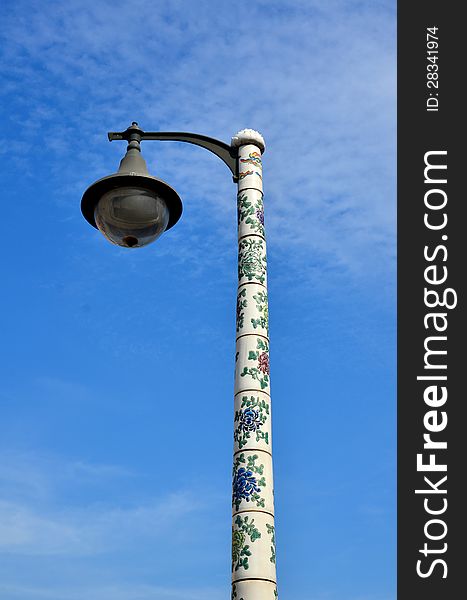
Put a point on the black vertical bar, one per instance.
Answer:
(431, 254)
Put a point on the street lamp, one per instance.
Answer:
(132, 209)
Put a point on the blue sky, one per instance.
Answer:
(116, 404)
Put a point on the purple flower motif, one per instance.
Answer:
(260, 215)
(244, 485)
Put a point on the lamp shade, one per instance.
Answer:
(131, 208)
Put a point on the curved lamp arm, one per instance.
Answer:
(228, 154)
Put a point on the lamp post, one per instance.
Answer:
(132, 209)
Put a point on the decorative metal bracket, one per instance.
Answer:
(228, 154)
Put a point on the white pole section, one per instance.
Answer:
(253, 533)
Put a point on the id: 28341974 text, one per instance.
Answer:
(432, 69)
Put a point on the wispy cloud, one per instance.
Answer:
(320, 85)
(34, 519)
(88, 530)
(37, 526)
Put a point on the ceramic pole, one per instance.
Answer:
(253, 533)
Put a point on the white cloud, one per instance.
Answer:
(34, 519)
(317, 79)
(41, 532)
(88, 530)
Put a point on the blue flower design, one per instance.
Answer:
(244, 485)
(249, 419)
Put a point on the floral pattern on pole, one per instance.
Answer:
(252, 260)
(253, 564)
(245, 485)
(252, 415)
(260, 372)
(240, 549)
(272, 532)
(234, 593)
(241, 304)
(262, 306)
(251, 212)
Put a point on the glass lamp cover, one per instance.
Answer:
(131, 217)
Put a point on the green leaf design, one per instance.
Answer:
(271, 530)
(239, 547)
(241, 436)
(252, 260)
(251, 213)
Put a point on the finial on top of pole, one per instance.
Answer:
(248, 136)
